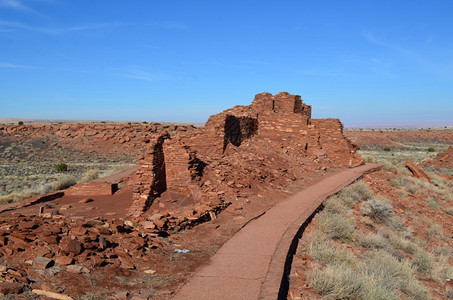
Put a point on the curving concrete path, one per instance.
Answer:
(251, 265)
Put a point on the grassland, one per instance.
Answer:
(386, 237)
(28, 168)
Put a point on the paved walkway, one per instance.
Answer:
(251, 264)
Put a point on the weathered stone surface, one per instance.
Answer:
(77, 269)
(69, 245)
(52, 294)
(416, 171)
(86, 200)
(10, 288)
(64, 260)
(43, 262)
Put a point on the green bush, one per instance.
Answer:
(61, 167)
(431, 149)
(20, 123)
(387, 149)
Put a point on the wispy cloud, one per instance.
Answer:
(6, 26)
(13, 66)
(137, 74)
(16, 5)
(325, 72)
(374, 40)
(255, 62)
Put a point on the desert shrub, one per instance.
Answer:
(90, 175)
(436, 179)
(327, 252)
(389, 167)
(392, 274)
(431, 149)
(336, 282)
(333, 205)
(372, 241)
(114, 169)
(387, 149)
(369, 158)
(63, 183)
(400, 181)
(377, 209)
(432, 203)
(362, 190)
(447, 196)
(144, 122)
(45, 188)
(423, 262)
(61, 167)
(14, 197)
(20, 123)
(449, 210)
(448, 294)
(373, 290)
(434, 230)
(402, 243)
(336, 226)
(403, 171)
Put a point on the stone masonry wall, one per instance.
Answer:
(275, 126)
(177, 163)
(234, 143)
(150, 181)
(335, 144)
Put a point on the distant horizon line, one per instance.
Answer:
(347, 125)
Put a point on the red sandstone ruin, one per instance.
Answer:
(240, 153)
(238, 162)
(272, 142)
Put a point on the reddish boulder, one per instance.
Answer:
(71, 246)
(64, 260)
(43, 262)
(416, 171)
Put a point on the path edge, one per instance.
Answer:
(276, 283)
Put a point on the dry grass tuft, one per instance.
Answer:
(90, 175)
(377, 209)
(336, 282)
(63, 183)
(336, 226)
(372, 241)
(327, 253)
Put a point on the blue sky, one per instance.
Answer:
(360, 61)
